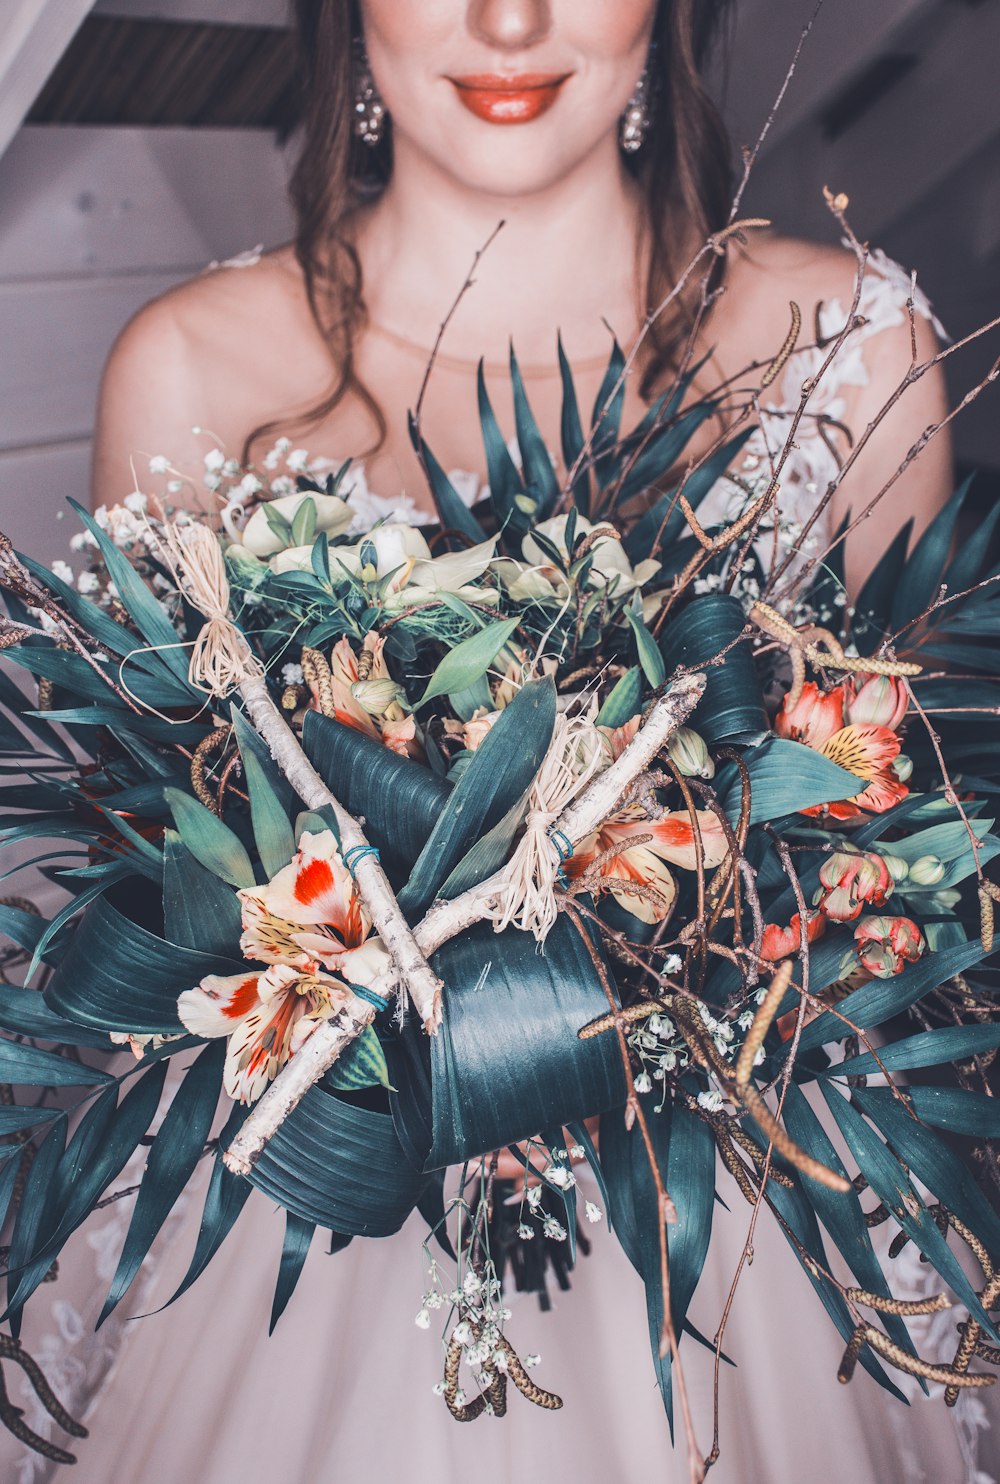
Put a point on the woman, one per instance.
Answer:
(475, 111)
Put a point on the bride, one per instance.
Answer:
(584, 127)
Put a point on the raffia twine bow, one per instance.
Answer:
(221, 659)
(526, 899)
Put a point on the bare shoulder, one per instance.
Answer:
(779, 268)
(195, 355)
(219, 311)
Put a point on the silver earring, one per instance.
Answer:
(636, 119)
(369, 110)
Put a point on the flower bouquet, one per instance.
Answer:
(406, 846)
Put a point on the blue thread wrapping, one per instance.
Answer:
(565, 848)
(363, 993)
(358, 852)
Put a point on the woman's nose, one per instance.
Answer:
(510, 25)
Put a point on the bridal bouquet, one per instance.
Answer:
(396, 847)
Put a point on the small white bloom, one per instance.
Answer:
(532, 1360)
(554, 1229)
(136, 503)
(62, 570)
(471, 1282)
(438, 1388)
(292, 674)
(526, 1232)
(462, 1333)
(673, 964)
(215, 460)
(668, 1061)
(283, 485)
(212, 481)
(433, 1301)
(159, 464)
(534, 1196)
(87, 582)
(560, 1176)
(423, 1320)
(297, 460)
(577, 1151)
(643, 1083)
(175, 486)
(592, 1212)
(711, 1100)
(250, 484)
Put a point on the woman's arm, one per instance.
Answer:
(921, 491)
(152, 394)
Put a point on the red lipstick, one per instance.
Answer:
(509, 100)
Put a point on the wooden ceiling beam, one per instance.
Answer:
(32, 40)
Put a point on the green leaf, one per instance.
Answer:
(362, 1065)
(732, 705)
(175, 1152)
(786, 777)
(401, 801)
(341, 1166)
(118, 976)
(23, 1065)
(606, 417)
(489, 852)
(501, 769)
(470, 1088)
(14, 1119)
(875, 600)
(271, 826)
(932, 1160)
(463, 665)
(624, 702)
(840, 1211)
(921, 577)
(501, 471)
(685, 1155)
(891, 1184)
(298, 1237)
(30, 1220)
(948, 1043)
(199, 910)
(954, 1109)
(880, 999)
(209, 840)
(649, 655)
(304, 523)
(537, 472)
(149, 618)
(226, 1196)
(571, 432)
(452, 510)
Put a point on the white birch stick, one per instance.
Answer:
(416, 974)
(447, 919)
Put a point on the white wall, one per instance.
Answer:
(94, 222)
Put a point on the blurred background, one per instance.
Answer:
(142, 139)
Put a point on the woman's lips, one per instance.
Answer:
(509, 100)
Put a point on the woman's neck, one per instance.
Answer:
(565, 259)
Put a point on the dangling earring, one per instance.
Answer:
(369, 110)
(636, 119)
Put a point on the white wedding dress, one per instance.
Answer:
(343, 1391)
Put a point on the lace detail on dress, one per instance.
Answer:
(812, 463)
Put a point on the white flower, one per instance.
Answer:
(249, 484)
(136, 503)
(462, 1333)
(417, 577)
(292, 675)
(175, 486)
(283, 485)
(643, 1083)
(332, 516)
(298, 460)
(87, 582)
(537, 577)
(212, 481)
(577, 1151)
(593, 1213)
(62, 570)
(423, 1320)
(526, 1232)
(553, 1229)
(82, 540)
(560, 1176)
(215, 460)
(159, 464)
(534, 1196)
(673, 964)
(711, 1100)
(532, 1360)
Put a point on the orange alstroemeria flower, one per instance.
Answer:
(821, 721)
(886, 944)
(309, 928)
(779, 942)
(646, 862)
(850, 880)
(387, 723)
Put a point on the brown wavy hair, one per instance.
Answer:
(684, 169)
